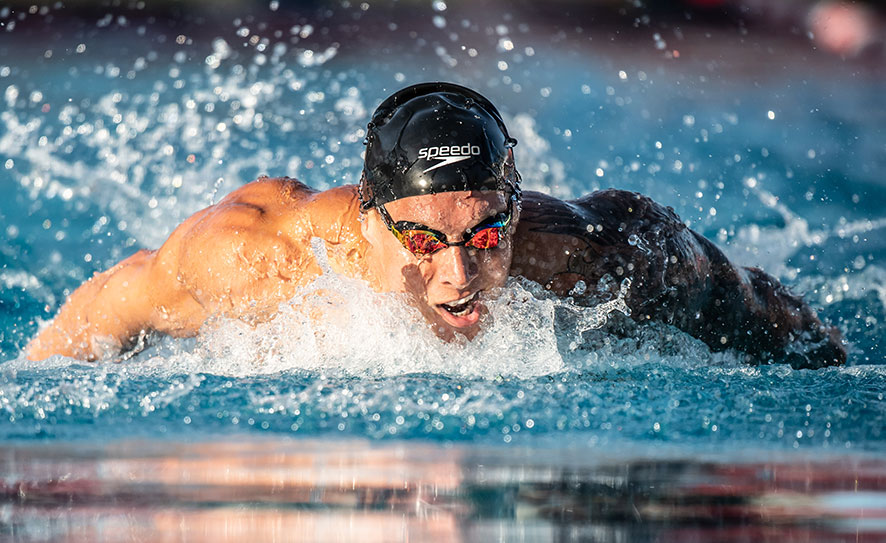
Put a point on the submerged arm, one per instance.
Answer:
(765, 319)
(677, 276)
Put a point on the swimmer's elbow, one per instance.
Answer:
(53, 339)
(99, 318)
(88, 345)
(35, 351)
(55, 342)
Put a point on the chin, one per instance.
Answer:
(466, 323)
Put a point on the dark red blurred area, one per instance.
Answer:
(843, 28)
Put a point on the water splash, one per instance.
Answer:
(146, 148)
(540, 170)
(338, 325)
(771, 247)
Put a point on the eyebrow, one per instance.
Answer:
(419, 226)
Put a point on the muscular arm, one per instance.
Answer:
(677, 276)
(238, 258)
(106, 314)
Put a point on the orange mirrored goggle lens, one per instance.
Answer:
(422, 242)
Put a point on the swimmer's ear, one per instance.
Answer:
(369, 226)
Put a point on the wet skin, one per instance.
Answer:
(677, 276)
(450, 274)
(250, 252)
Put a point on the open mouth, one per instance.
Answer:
(461, 307)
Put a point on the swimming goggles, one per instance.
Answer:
(421, 240)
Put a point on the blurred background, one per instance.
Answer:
(848, 28)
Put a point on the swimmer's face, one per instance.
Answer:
(450, 285)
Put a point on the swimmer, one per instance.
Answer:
(439, 215)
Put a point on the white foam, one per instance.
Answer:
(770, 247)
(537, 165)
(340, 326)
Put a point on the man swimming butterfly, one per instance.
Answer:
(439, 215)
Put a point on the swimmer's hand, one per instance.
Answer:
(828, 350)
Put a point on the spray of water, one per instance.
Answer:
(338, 325)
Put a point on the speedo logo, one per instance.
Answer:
(448, 154)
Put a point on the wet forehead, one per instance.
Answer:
(448, 212)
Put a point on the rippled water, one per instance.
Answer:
(115, 130)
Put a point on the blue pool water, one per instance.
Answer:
(115, 129)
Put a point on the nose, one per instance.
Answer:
(457, 268)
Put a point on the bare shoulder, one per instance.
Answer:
(208, 264)
(265, 196)
(601, 217)
(289, 201)
(560, 242)
(251, 250)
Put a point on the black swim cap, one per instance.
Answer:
(436, 137)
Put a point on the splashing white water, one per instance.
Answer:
(338, 325)
(148, 154)
(540, 170)
(847, 286)
(771, 247)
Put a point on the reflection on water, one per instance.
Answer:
(319, 491)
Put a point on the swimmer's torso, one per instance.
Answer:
(254, 251)
(244, 256)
